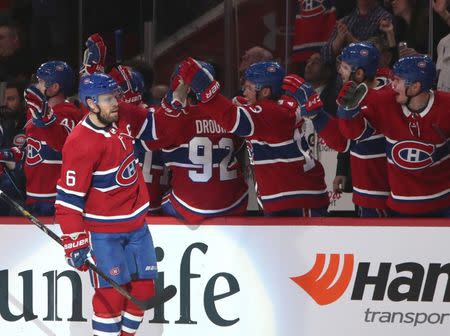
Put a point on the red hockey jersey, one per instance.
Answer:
(286, 174)
(102, 188)
(206, 179)
(417, 149)
(43, 152)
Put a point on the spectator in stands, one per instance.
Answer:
(443, 64)
(158, 92)
(12, 120)
(443, 48)
(253, 55)
(359, 25)
(441, 8)
(322, 78)
(411, 26)
(14, 60)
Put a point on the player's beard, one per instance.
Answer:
(106, 120)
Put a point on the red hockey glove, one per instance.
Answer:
(176, 96)
(307, 98)
(77, 248)
(94, 55)
(351, 95)
(37, 104)
(124, 78)
(13, 154)
(199, 79)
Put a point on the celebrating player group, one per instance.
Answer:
(117, 158)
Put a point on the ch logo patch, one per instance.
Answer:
(19, 140)
(33, 149)
(309, 8)
(115, 271)
(127, 173)
(412, 155)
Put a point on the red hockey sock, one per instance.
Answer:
(133, 315)
(107, 304)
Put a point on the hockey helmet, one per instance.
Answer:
(266, 74)
(56, 72)
(417, 68)
(361, 55)
(93, 85)
(209, 67)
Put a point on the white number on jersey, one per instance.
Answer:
(68, 123)
(201, 153)
(70, 178)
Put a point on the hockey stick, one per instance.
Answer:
(16, 188)
(118, 38)
(168, 292)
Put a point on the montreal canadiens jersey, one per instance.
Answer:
(153, 169)
(43, 152)
(286, 174)
(206, 178)
(369, 165)
(417, 149)
(101, 188)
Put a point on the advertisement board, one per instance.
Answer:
(259, 279)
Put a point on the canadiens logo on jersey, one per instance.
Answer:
(19, 140)
(310, 8)
(127, 173)
(412, 155)
(33, 149)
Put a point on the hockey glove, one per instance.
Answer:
(13, 154)
(351, 95)
(307, 98)
(37, 104)
(94, 55)
(77, 249)
(199, 79)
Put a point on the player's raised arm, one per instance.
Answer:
(310, 107)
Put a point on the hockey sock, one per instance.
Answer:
(133, 315)
(107, 304)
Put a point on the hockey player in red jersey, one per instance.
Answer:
(206, 178)
(414, 120)
(358, 62)
(51, 118)
(155, 173)
(289, 180)
(102, 203)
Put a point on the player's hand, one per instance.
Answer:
(94, 55)
(339, 183)
(307, 98)
(199, 79)
(13, 154)
(351, 95)
(37, 104)
(77, 249)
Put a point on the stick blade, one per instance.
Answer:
(168, 293)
